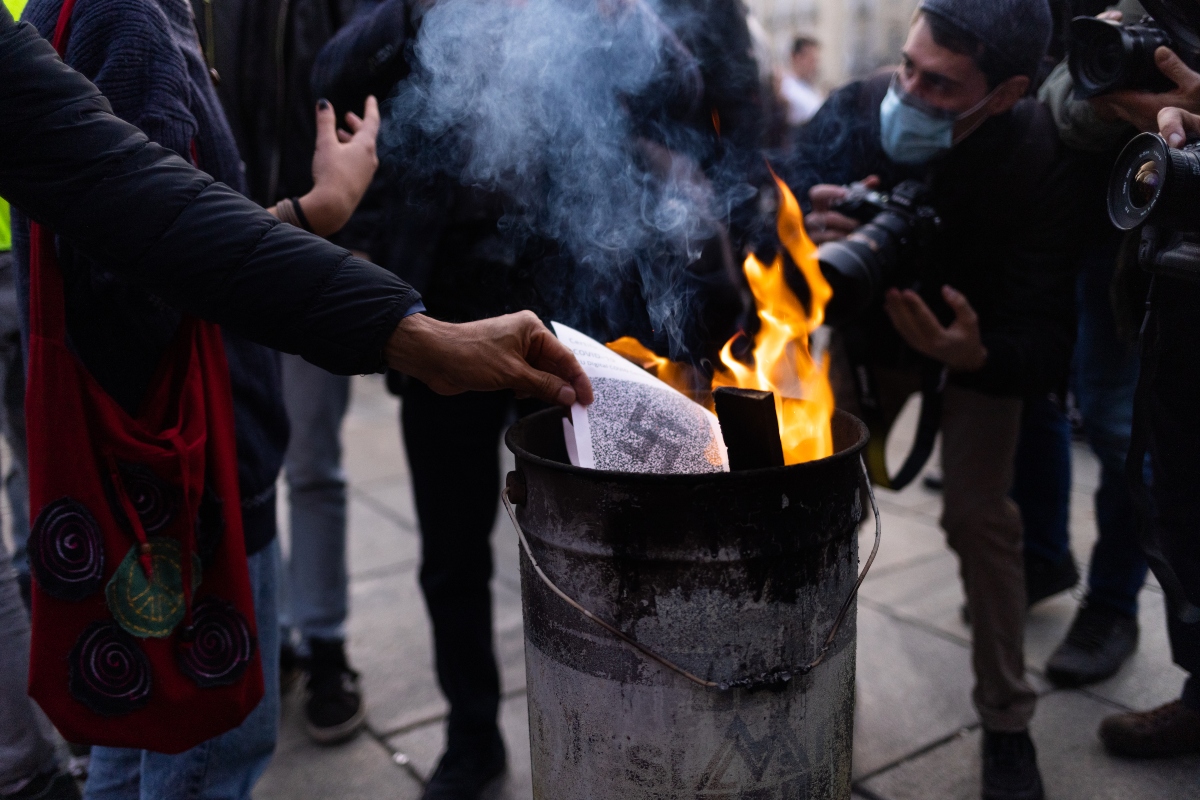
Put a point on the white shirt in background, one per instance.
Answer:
(802, 100)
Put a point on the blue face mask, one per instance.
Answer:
(913, 132)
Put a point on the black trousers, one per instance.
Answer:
(1173, 409)
(452, 445)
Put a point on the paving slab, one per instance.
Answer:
(1073, 763)
(904, 541)
(361, 769)
(391, 645)
(377, 544)
(423, 745)
(391, 497)
(913, 688)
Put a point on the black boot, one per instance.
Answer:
(1099, 641)
(1010, 770)
(466, 769)
(335, 710)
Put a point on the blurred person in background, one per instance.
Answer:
(262, 52)
(799, 84)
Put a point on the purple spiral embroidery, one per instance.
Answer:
(109, 672)
(66, 550)
(156, 501)
(222, 647)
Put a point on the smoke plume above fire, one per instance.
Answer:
(558, 106)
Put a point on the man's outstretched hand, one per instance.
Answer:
(515, 352)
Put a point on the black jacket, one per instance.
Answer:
(1009, 199)
(163, 226)
(263, 53)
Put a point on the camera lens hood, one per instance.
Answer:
(1138, 181)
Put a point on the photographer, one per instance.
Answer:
(993, 303)
(1101, 124)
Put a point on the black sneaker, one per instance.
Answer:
(291, 668)
(1010, 770)
(465, 771)
(1099, 641)
(1045, 578)
(51, 786)
(335, 710)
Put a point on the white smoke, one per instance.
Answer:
(533, 100)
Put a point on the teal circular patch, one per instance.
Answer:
(150, 608)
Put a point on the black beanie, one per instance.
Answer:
(1018, 31)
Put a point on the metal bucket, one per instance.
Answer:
(688, 636)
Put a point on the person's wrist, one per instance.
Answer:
(412, 346)
(972, 361)
(327, 211)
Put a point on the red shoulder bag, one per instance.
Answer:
(143, 616)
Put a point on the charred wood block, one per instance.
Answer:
(750, 428)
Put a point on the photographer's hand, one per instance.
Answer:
(1140, 109)
(515, 351)
(958, 346)
(824, 225)
(1176, 125)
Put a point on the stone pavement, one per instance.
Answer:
(916, 736)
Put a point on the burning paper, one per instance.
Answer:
(637, 423)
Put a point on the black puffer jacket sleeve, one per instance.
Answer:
(159, 223)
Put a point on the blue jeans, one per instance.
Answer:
(1042, 478)
(225, 767)
(1106, 370)
(1106, 373)
(314, 586)
(26, 743)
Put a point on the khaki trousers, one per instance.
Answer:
(983, 527)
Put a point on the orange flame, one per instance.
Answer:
(782, 361)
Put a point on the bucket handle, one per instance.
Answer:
(774, 678)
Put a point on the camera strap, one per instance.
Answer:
(933, 382)
(1135, 472)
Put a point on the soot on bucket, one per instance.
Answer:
(731, 580)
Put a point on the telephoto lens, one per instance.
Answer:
(1153, 182)
(881, 253)
(858, 267)
(1105, 56)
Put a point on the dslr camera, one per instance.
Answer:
(1106, 56)
(1157, 186)
(885, 251)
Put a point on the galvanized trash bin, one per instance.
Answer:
(714, 665)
